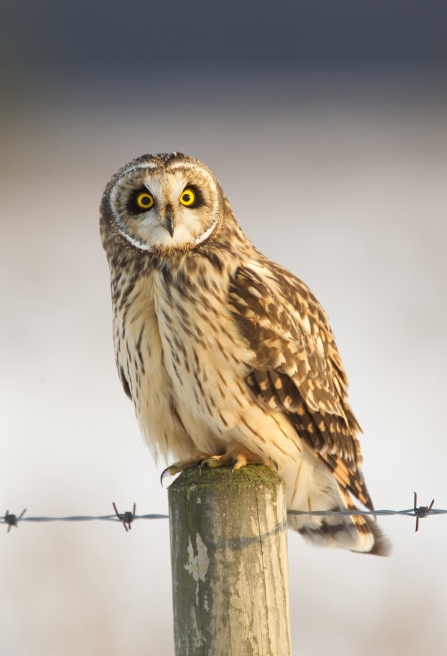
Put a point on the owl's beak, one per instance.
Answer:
(169, 220)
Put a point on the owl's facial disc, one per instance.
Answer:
(166, 208)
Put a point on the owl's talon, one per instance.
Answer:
(164, 473)
(194, 462)
(238, 462)
(199, 465)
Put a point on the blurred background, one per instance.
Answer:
(337, 109)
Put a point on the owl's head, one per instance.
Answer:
(163, 203)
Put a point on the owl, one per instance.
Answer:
(227, 357)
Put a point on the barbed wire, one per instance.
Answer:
(126, 518)
(420, 512)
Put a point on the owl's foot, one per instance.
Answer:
(189, 463)
(235, 457)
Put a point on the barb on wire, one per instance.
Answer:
(419, 512)
(422, 511)
(127, 517)
(12, 520)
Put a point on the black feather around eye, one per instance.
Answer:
(200, 201)
(132, 205)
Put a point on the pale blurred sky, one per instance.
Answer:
(354, 156)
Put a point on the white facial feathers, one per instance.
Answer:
(168, 224)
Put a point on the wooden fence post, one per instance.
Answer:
(229, 563)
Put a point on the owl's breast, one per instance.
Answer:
(207, 360)
(186, 363)
(141, 362)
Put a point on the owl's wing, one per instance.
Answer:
(297, 369)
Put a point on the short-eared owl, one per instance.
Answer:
(227, 357)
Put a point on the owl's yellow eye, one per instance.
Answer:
(145, 200)
(188, 198)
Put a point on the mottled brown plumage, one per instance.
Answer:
(228, 357)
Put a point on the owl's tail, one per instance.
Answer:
(311, 486)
